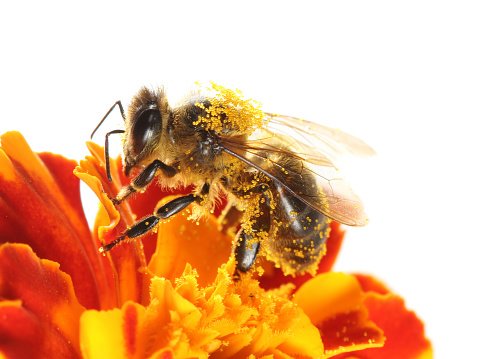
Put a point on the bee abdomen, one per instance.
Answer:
(298, 237)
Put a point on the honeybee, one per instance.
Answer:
(277, 172)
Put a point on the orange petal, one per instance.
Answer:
(334, 303)
(127, 260)
(182, 241)
(39, 314)
(40, 206)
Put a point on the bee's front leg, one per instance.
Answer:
(143, 179)
(165, 211)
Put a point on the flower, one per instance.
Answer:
(168, 298)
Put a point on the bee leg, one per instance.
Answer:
(246, 250)
(248, 242)
(143, 179)
(167, 210)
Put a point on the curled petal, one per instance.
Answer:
(127, 260)
(40, 206)
(335, 304)
(39, 312)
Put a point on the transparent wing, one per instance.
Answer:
(331, 142)
(304, 171)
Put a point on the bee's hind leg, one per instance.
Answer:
(248, 241)
(246, 250)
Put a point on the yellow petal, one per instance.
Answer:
(113, 333)
(328, 294)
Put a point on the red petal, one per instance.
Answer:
(333, 246)
(39, 314)
(369, 283)
(403, 330)
(40, 206)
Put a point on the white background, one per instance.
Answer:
(401, 75)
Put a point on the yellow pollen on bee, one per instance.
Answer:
(229, 108)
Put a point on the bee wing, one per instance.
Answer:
(329, 141)
(304, 171)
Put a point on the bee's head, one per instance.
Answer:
(147, 114)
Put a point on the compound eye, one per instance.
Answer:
(146, 127)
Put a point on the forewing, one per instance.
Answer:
(332, 143)
(302, 170)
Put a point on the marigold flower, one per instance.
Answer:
(169, 294)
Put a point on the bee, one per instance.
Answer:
(277, 171)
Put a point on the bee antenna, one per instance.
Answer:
(109, 111)
(107, 154)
